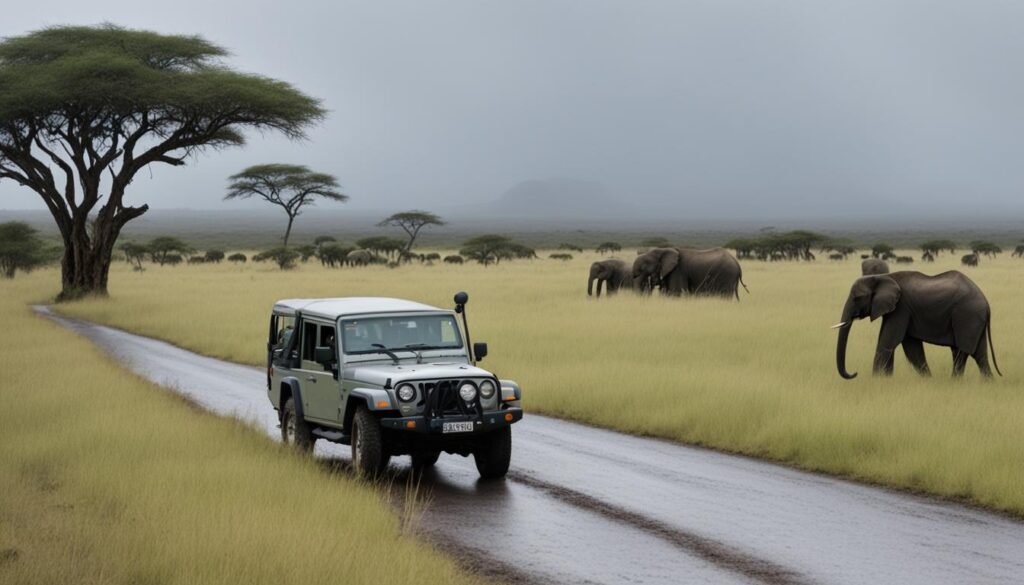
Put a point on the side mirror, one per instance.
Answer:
(324, 356)
(480, 350)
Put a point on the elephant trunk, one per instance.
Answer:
(844, 334)
(590, 285)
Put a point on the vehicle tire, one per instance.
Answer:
(492, 457)
(296, 431)
(369, 453)
(424, 459)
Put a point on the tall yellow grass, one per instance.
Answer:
(107, 479)
(755, 377)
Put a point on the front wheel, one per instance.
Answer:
(294, 430)
(422, 459)
(493, 456)
(369, 454)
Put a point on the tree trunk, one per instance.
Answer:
(87, 257)
(84, 270)
(288, 232)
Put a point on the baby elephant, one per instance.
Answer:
(873, 266)
(947, 309)
(613, 273)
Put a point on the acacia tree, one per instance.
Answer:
(411, 223)
(84, 109)
(290, 187)
(492, 248)
(20, 249)
(161, 250)
(935, 247)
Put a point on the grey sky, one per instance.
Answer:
(711, 108)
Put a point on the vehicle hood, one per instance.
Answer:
(378, 374)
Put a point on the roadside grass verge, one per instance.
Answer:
(756, 377)
(105, 478)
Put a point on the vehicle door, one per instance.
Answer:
(284, 352)
(320, 388)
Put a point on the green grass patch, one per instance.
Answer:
(105, 478)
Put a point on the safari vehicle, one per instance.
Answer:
(388, 377)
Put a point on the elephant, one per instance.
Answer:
(873, 266)
(947, 309)
(453, 259)
(713, 272)
(612, 272)
(836, 256)
(361, 257)
(969, 260)
(904, 260)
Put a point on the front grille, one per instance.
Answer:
(441, 398)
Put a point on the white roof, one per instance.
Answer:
(338, 307)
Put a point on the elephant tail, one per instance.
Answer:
(992, 348)
(744, 288)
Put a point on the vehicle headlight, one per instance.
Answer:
(467, 391)
(487, 389)
(406, 392)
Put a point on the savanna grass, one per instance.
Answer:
(755, 377)
(105, 478)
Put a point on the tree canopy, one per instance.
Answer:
(493, 248)
(985, 248)
(411, 223)
(794, 245)
(382, 245)
(21, 249)
(163, 249)
(83, 109)
(937, 246)
(290, 187)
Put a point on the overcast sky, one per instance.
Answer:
(712, 108)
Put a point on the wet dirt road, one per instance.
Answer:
(583, 505)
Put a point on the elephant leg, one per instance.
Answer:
(981, 358)
(914, 349)
(959, 362)
(892, 334)
(883, 361)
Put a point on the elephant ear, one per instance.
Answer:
(669, 261)
(886, 295)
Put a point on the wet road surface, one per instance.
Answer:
(583, 505)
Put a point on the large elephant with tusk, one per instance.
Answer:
(946, 309)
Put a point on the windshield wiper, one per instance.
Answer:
(385, 350)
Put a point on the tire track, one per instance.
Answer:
(708, 549)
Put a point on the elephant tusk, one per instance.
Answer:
(838, 325)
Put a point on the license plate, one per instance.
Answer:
(457, 427)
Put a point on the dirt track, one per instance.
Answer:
(583, 505)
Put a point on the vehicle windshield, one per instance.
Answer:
(413, 333)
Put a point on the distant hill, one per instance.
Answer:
(557, 198)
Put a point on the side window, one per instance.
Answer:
(310, 335)
(283, 329)
(327, 337)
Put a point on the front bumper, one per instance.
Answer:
(489, 421)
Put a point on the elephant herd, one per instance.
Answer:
(946, 309)
(672, 271)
